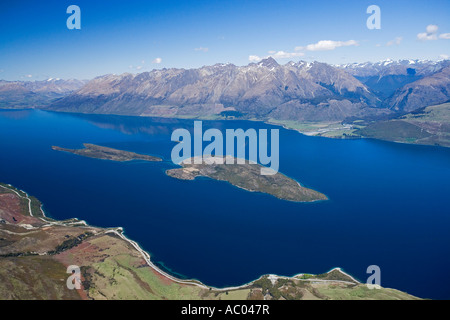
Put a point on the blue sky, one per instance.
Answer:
(136, 36)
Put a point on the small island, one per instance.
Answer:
(105, 153)
(248, 176)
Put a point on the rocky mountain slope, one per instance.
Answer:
(392, 67)
(304, 91)
(385, 77)
(34, 94)
(296, 91)
(427, 91)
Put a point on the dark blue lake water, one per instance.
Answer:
(389, 203)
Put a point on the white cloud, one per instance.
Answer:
(432, 28)
(29, 75)
(254, 58)
(319, 46)
(431, 33)
(325, 45)
(202, 49)
(133, 67)
(276, 55)
(157, 60)
(396, 41)
(444, 56)
(285, 55)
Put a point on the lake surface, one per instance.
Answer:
(389, 203)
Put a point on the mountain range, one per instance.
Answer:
(298, 91)
(35, 94)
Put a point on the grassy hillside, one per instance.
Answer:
(35, 253)
(430, 126)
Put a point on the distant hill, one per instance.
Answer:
(430, 125)
(385, 77)
(430, 90)
(391, 67)
(35, 94)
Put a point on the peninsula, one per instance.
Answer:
(35, 252)
(248, 176)
(105, 153)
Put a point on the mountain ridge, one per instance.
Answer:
(17, 94)
(258, 90)
(296, 91)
